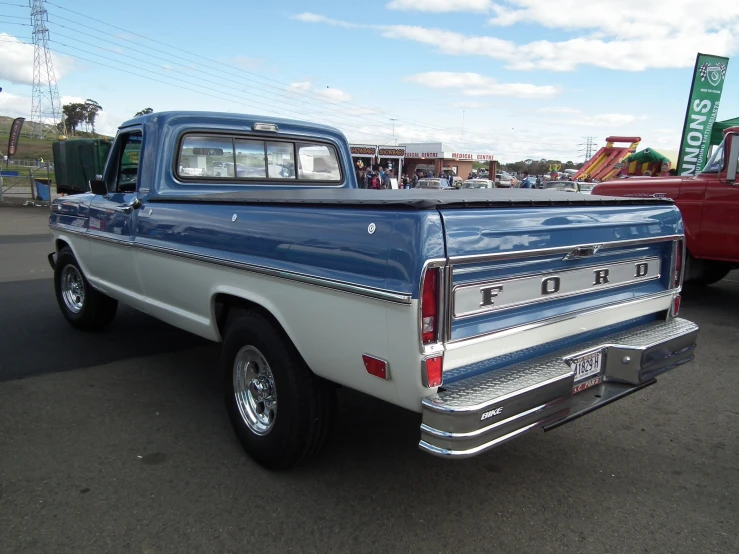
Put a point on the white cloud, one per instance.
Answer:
(622, 18)
(335, 94)
(627, 55)
(474, 84)
(559, 110)
(246, 63)
(72, 100)
(13, 105)
(308, 17)
(330, 93)
(620, 37)
(598, 121)
(16, 61)
(441, 5)
(470, 105)
(606, 120)
(302, 85)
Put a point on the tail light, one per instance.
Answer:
(429, 306)
(676, 306)
(678, 264)
(432, 372)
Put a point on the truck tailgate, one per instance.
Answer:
(520, 268)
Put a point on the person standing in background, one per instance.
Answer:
(526, 181)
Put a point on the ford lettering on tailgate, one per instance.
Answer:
(487, 297)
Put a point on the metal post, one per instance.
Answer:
(48, 181)
(33, 186)
(462, 145)
(1, 184)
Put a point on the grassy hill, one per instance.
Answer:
(28, 148)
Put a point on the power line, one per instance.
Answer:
(244, 100)
(326, 114)
(354, 118)
(305, 96)
(312, 94)
(158, 80)
(482, 140)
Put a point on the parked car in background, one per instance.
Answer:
(478, 184)
(569, 186)
(503, 180)
(434, 183)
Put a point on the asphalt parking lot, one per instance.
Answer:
(118, 442)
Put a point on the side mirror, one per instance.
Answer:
(733, 158)
(98, 187)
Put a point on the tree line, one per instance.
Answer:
(540, 167)
(77, 114)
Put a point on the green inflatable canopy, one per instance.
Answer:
(648, 155)
(717, 133)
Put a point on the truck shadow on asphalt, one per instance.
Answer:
(36, 339)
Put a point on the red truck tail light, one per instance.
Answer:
(676, 280)
(432, 372)
(676, 306)
(429, 306)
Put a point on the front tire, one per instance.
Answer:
(280, 410)
(81, 305)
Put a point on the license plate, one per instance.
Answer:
(586, 365)
(586, 385)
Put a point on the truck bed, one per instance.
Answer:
(412, 199)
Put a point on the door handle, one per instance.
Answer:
(134, 204)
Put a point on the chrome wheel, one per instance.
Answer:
(254, 388)
(73, 289)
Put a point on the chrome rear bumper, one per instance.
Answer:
(473, 415)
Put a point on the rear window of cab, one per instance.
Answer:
(203, 157)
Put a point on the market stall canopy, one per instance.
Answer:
(717, 134)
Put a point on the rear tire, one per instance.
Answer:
(82, 306)
(704, 273)
(281, 411)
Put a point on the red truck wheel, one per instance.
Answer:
(711, 273)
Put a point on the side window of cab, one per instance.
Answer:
(127, 172)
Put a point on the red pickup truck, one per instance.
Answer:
(709, 202)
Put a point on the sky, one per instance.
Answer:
(515, 78)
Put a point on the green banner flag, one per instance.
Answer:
(705, 96)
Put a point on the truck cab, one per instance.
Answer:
(709, 203)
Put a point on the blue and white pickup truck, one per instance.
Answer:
(490, 312)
